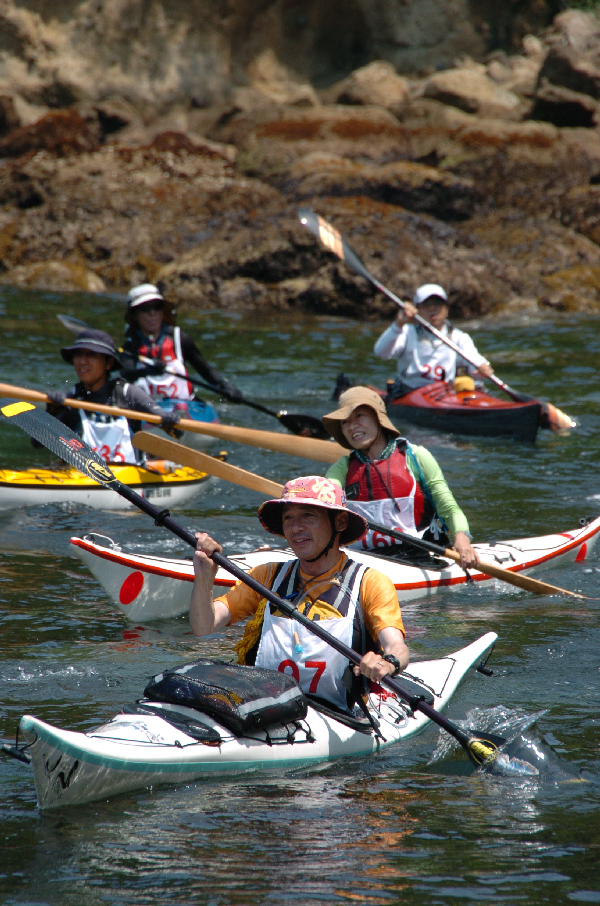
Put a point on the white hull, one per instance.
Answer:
(98, 498)
(133, 751)
(149, 588)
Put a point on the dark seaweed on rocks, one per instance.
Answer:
(478, 172)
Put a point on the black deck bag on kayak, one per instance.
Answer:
(240, 698)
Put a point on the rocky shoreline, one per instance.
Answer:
(484, 177)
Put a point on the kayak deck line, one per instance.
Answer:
(146, 587)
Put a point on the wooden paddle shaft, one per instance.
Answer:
(168, 449)
(506, 575)
(306, 447)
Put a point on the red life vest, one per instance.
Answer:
(167, 350)
(402, 504)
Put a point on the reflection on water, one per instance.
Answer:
(393, 828)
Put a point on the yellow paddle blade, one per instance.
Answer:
(16, 409)
(481, 749)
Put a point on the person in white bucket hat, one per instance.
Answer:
(422, 358)
(358, 604)
(152, 334)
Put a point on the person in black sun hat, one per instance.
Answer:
(94, 355)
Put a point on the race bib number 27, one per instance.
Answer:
(317, 666)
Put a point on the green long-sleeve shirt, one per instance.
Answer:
(443, 498)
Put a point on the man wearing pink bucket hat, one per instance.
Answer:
(357, 603)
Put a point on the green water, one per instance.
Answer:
(391, 829)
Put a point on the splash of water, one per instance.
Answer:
(520, 756)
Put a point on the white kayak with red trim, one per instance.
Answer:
(150, 588)
(136, 750)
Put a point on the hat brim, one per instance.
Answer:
(270, 514)
(333, 423)
(432, 299)
(68, 352)
(149, 297)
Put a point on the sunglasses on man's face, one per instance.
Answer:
(152, 306)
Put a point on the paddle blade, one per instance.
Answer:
(73, 324)
(481, 749)
(550, 417)
(555, 419)
(303, 425)
(333, 240)
(57, 438)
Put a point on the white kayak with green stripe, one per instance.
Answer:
(139, 748)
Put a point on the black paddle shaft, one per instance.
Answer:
(303, 425)
(163, 517)
(404, 538)
(50, 432)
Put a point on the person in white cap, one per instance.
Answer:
(151, 333)
(358, 604)
(422, 358)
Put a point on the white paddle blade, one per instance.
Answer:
(333, 240)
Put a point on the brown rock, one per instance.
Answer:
(375, 85)
(548, 260)
(413, 186)
(564, 66)
(573, 60)
(61, 133)
(580, 210)
(564, 107)
(271, 79)
(575, 29)
(472, 91)
(270, 140)
(116, 114)
(530, 165)
(400, 249)
(55, 276)
(8, 115)
(125, 211)
(518, 74)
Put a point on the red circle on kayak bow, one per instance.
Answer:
(131, 588)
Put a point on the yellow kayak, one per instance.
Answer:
(159, 480)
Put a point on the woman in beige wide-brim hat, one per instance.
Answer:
(389, 481)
